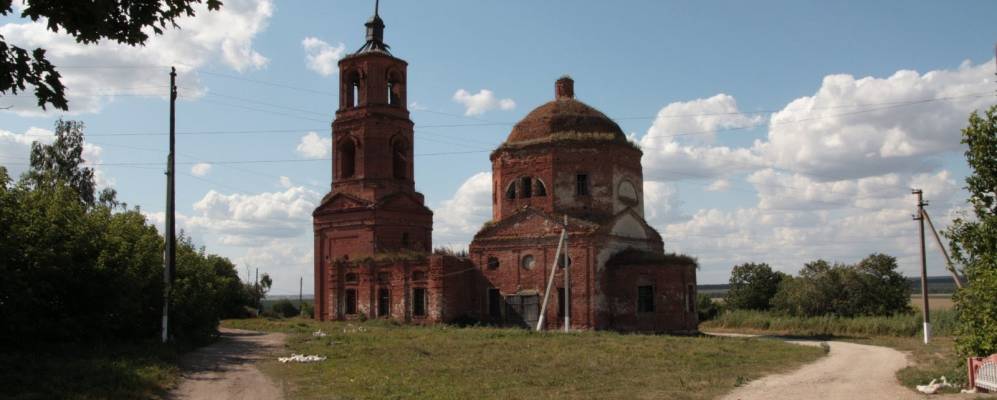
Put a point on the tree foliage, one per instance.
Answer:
(122, 21)
(752, 286)
(974, 240)
(78, 270)
(873, 287)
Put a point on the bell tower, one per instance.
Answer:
(373, 206)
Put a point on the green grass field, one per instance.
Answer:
(382, 360)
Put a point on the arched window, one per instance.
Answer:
(510, 192)
(395, 86)
(493, 263)
(526, 186)
(351, 89)
(347, 155)
(399, 158)
(355, 97)
(539, 189)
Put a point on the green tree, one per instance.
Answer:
(752, 286)
(61, 163)
(122, 21)
(974, 240)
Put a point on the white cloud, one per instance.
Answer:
(226, 35)
(675, 146)
(321, 57)
(314, 146)
(246, 219)
(481, 102)
(458, 218)
(661, 203)
(719, 185)
(870, 126)
(285, 182)
(200, 169)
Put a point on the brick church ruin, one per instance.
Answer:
(565, 165)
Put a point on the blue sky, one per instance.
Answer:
(812, 119)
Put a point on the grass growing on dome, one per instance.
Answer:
(381, 359)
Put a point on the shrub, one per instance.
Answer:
(285, 308)
(752, 286)
(308, 309)
(705, 307)
(901, 325)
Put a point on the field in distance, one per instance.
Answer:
(381, 359)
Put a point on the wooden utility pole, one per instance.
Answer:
(170, 258)
(924, 266)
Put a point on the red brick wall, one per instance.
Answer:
(671, 283)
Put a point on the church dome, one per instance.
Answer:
(565, 119)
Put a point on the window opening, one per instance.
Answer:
(539, 190)
(494, 303)
(527, 187)
(645, 299)
(582, 184)
(351, 301)
(383, 302)
(419, 302)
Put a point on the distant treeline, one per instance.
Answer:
(936, 285)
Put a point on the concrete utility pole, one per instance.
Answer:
(170, 258)
(567, 280)
(924, 266)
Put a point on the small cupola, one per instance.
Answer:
(564, 88)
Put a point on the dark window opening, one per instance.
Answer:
(494, 303)
(399, 159)
(383, 278)
(510, 192)
(383, 302)
(351, 277)
(405, 239)
(690, 298)
(526, 187)
(539, 190)
(347, 159)
(645, 299)
(493, 263)
(560, 302)
(418, 275)
(351, 301)
(560, 260)
(391, 94)
(419, 302)
(582, 185)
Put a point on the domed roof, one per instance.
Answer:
(565, 119)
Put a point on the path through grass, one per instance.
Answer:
(383, 360)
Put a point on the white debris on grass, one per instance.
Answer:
(301, 358)
(350, 328)
(933, 386)
(319, 333)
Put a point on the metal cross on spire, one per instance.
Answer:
(377, 4)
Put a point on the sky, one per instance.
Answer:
(776, 132)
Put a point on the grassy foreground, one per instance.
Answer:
(383, 360)
(134, 371)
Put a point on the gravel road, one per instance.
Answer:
(227, 370)
(850, 371)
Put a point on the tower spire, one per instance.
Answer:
(375, 33)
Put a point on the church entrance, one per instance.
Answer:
(523, 310)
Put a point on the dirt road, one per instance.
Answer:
(226, 370)
(850, 371)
